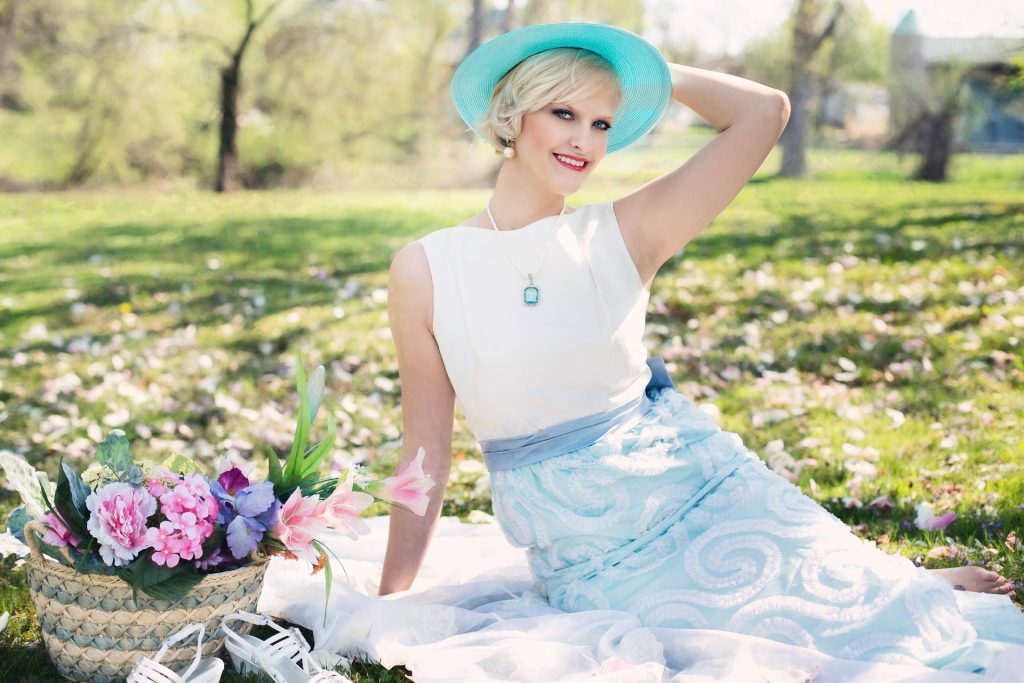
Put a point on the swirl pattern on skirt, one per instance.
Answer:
(678, 523)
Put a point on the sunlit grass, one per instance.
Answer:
(863, 333)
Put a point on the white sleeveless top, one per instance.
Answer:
(517, 369)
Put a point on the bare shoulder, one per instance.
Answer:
(410, 286)
(409, 263)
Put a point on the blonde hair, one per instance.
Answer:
(563, 74)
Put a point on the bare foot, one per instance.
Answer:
(976, 580)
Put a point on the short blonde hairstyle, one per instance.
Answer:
(563, 74)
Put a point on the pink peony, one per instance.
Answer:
(409, 487)
(301, 520)
(118, 521)
(57, 534)
(343, 507)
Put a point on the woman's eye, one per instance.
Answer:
(567, 115)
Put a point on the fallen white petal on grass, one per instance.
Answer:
(896, 416)
(927, 521)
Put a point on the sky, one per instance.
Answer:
(725, 26)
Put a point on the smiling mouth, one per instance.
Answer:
(571, 163)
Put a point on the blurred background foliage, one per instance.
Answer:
(332, 94)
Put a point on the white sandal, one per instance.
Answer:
(284, 656)
(201, 670)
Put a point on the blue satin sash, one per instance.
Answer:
(565, 437)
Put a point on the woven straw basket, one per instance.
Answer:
(95, 631)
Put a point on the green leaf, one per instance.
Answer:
(311, 461)
(91, 563)
(180, 464)
(26, 480)
(158, 581)
(169, 584)
(131, 574)
(274, 474)
(67, 511)
(302, 465)
(79, 490)
(315, 392)
(16, 522)
(114, 452)
(302, 424)
(328, 578)
(214, 541)
(133, 475)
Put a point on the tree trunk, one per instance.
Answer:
(509, 20)
(228, 177)
(794, 163)
(476, 26)
(534, 11)
(9, 71)
(930, 131)
(806, 43)
(228, 174)
(937, 131)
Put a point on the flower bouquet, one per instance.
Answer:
(144, 548)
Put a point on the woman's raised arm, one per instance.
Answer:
(428, 408)
(658, 219)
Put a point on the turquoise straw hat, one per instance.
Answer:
(643, 73)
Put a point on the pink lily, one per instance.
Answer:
(343, 507)
(409, 487)
(301, 520)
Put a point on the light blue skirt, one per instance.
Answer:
(675, 521)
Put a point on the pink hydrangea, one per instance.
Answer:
(118, 521)
(166, 544)
(162, 481)
(191, 511)
(57, 534)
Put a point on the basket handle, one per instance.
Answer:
(31, 529)
(38, 526)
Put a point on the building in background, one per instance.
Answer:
(993, 119)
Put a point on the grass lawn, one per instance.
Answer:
(861, 332)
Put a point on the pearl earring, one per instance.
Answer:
(509, 152)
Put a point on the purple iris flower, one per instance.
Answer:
(228, 485)
(247, 509)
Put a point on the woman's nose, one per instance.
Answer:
(580, 142)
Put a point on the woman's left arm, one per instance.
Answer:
(658, 219)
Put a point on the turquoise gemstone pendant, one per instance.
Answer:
(531, 295)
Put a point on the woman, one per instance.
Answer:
(531, 313)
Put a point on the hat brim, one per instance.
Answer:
(642, 71)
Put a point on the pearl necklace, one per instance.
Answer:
(531, 294)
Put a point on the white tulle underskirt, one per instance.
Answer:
(475, 614)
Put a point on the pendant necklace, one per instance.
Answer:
(531, 294)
